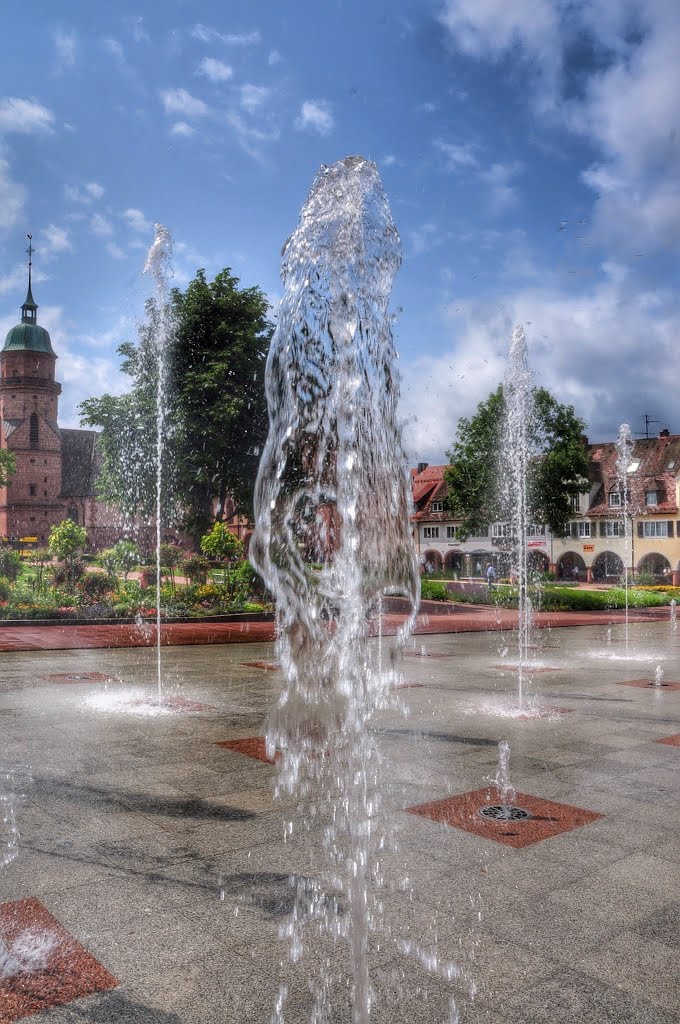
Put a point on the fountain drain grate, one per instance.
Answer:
(504, 812)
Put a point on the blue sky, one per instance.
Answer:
(530, 151)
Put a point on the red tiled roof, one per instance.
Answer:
(659, 459)
(428, 486)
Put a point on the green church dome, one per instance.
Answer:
(28, 336)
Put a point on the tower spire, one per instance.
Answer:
(29, 310)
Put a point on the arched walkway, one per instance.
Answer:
(431, 561)
(654, 564)
(569, 561)
(538, 561)
(607, 566)
(453, 562)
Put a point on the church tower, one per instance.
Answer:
(29, 396)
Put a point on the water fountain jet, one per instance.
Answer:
(332, 534)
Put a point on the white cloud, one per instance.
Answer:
(179, 101)
(136, 220)
(24, 116)
(114, 48)
(12, 197)
(253, 97)
(66, 45)
(182, 129)
(503, 195)
(100, 226)
(628, 107)
(457, 155)
(252, 140)
(494, 28)
(205, 34)
(463, 157)
(89, 192)
(215, 70)
(425, 238)
(53, 240)
(315, 116)
(115, 251)
(14, 283)
(581, 347)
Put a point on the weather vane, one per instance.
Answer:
(30, 252)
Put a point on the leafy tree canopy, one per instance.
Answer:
(558, 470)
(215, 410)
(8, 465)
(220, 543)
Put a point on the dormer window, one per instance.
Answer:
(651, 497)
(437, 506)
(615, 499)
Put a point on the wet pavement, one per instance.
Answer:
(154, 855)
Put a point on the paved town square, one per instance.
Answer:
(155, 868)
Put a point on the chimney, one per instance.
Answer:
(422, 466)
(665, 432)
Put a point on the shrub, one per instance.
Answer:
(430, 590)
(5, 589)
(196, 568)
(10, 563)
(94, 586)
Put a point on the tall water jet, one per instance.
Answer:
(674, 615)
(158, 265)
(624, 457)
(332, 536)
(514, 465)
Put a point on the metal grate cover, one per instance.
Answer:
(504, 812)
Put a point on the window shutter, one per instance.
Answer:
(670, 527)
(574, 530)
(603, 528)
(640, 531)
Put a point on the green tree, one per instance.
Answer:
(67, 540)
(221, 544)
(216, 419)
(125, 556)
(558, 470)
(8, 465)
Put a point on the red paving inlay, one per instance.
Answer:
(80, 677)
(671, 741)
(182, 705)
(548, 819)
(648, 684)
(251, 746)
(268, 666)
(65, 972)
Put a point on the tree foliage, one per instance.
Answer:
(215, 408)
(558, 469)
(8, 465)
(221, 544)
(67, 540)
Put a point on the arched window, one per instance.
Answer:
(34, 430)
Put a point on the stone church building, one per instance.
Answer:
(56, 469)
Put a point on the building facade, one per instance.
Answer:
(636, 528)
